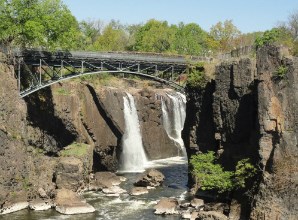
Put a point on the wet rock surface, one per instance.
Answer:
(68, 203)
(150, 178)
(136, 191)
(166, 206)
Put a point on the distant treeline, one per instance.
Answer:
(51, 25)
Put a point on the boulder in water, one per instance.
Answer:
(106, 180)
(41, 205)
(113, 191)
(136, 191)
(13, 208)
(150, 178)
(197, 203)
(69, 203)
(166, 206)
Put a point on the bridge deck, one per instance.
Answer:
(47, 68)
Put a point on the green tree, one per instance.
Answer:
(211, 176)
(91, 30)
(191, 39)
(155, 36)
(46, 23)
(225, 33)
(113, 38)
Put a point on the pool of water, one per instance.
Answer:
(126, 207)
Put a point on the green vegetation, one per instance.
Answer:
(269, 37)
(211, 175)
(62, 91)
(50, 24)
(75, 149)
(46, 23)
(196, 77)
(281, 71)
(225, 33)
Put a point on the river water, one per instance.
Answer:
(125, 207)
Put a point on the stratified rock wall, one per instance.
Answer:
(250, 111)
(278, 149)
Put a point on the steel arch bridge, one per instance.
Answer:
(42, 68)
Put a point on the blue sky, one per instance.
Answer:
(247, 15)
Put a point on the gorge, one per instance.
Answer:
(55, 138)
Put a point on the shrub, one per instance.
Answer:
(269, 37)
(281, 71)
(211, 176)
(196, 77)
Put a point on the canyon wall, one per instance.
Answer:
(38, 132)
(249, 111)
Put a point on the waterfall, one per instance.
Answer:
(173, 114)
(133, 158)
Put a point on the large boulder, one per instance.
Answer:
(69, 203)
(151, 178)
(40, 205)
(69, 173)
(166, 206)
(197, 203)
(14, 207)
(107, 180)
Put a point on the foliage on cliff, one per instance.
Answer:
(211, 176)
(197, 77)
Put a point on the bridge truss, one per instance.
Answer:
(37, 69)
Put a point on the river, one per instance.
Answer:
(125, 207)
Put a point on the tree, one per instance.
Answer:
(132, 30)
(211, 176)
(191, 39)
(293, 24)
(155, 36)
(46, 23)
(113, 38)
(225, 33)
(91, 30)
(289, 32)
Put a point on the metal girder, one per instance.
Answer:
(45, 69)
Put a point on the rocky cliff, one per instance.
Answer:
(42, 136)
(249, 111)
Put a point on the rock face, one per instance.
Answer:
(13, 154)
(35, 130)
(94, 115)
(150, 178)
(277, 102)
(249, 111)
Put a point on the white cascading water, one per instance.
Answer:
(133, 158)
(173, 115)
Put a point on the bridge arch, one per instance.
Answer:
(47, 68)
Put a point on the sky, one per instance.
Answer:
(247, 15)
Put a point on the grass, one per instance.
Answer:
(75, 149)
(62, 91)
